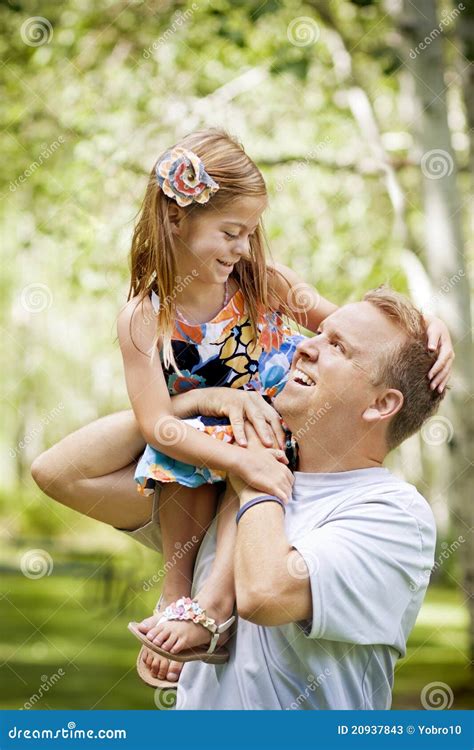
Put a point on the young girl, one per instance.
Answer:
(204, 311)
(211, 307)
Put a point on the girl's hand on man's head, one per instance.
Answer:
(439, 340)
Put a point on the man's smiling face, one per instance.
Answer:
(335, 370)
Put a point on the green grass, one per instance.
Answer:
(68, 623)
(437, 651)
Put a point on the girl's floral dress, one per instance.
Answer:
(219, 353)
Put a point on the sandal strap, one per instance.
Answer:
(220, 629)
(157, 610)
(189, 609)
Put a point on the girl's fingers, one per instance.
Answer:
(260, 426)
(279, 455)
(441, 360)
(237, 422)
(445, 357)
(278, 430)
(443, 368)
(443, 384)
(441, 379)
(433, 340)
(435, 369)
(442, 376)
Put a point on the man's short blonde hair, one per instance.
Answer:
(405, 366)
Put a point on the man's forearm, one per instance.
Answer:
(267, 592)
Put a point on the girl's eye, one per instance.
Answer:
(231, 236)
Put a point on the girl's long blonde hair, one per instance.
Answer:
(154, 263)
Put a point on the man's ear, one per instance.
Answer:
(176, 216)
(385, 406)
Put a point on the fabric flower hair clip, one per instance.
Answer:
(181, 175)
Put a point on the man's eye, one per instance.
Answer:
(338, 345)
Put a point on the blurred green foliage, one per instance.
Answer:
(86, 112)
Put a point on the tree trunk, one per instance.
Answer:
(445, 260)
(465, 33)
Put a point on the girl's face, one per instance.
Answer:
(211, 242)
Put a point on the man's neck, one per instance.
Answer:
(323, 461)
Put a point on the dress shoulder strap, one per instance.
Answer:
(155, 300)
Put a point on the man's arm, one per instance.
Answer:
(271, 578)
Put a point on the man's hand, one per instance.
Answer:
(243, 485)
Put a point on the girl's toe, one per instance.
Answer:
(145, 625)
(152, 634)
(174, 671)
(178, 646)
(168, 644)
(162, 669)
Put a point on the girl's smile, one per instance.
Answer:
(212, 242)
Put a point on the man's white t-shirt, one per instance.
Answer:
(368, 540)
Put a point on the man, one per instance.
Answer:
(328, 592)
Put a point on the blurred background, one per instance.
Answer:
(360, 114)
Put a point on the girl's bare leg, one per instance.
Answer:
(92, 470)
(185, 515)
(216, 596)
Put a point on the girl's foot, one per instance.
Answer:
(162, 668)
(159, 666)
(175, 635)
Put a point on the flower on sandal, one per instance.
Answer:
(186, 608)
(181, 175)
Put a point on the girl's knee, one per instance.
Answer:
(41, 471)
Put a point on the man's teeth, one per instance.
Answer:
(301, 376)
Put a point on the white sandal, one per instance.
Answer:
(144, 671)
(188, 609)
